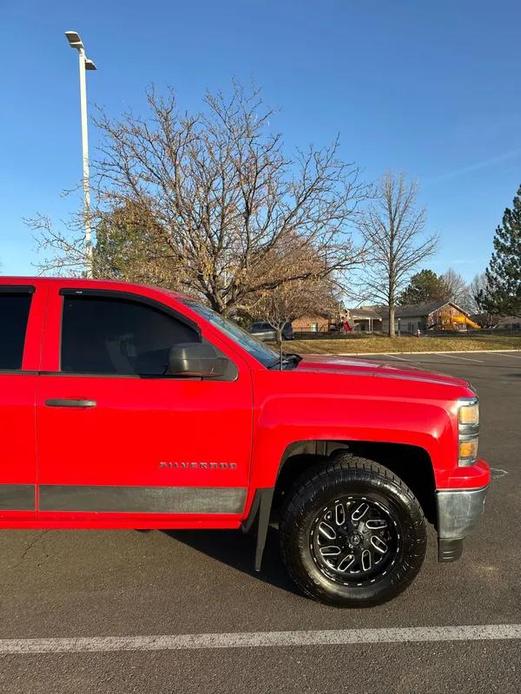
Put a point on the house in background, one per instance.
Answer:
(493, 322)
(507, 323)
(364, 319)
(437, 315)
(313, 324)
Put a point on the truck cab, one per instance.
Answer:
(126, 406)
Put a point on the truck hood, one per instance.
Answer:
(357, 367)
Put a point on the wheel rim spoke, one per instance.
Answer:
(376, 524)
(367, 560)
(379, 544)
(330, 551)
(345, 563)
(359, 512)
(327, 531)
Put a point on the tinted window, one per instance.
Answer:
(14, 312)
(115, 336)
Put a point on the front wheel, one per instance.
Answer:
(352, 533)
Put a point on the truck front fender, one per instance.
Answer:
(286, 421)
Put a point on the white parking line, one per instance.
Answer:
(393, 356)
(458, 356)
(512, 356)
(260, 639)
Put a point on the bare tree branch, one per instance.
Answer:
(216, 198)
(392, 228)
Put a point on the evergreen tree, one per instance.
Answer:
(424, 286)
(502, 294)
(130, 248)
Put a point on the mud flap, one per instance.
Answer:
(260, 510)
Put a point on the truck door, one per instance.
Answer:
(18, 379)
(123, 444)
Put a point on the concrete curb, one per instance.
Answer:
(386, 354)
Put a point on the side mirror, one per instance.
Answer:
(196, 359)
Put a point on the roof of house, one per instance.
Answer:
(413, 310)
(410, 310)
(364, 312)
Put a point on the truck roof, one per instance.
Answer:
(86, 283)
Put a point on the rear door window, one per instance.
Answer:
(14, 314)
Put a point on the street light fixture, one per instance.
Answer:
(85, 64)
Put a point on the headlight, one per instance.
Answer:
(468, 415)
(468, 430)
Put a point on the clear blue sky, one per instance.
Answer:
(429, 88)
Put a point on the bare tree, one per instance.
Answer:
(457, 290)
(294, 299)
(476, 287)
(393, 229)
(127, 248)
(65, 246)
(218, 195)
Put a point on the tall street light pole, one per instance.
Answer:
(85, 64)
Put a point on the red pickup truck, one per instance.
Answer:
(124, 406)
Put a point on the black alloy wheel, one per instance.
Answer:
(352, 533)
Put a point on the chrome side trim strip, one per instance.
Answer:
(116, 499)
(17, 497)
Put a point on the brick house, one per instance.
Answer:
(312, 324)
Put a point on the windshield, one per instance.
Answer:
(256, 348)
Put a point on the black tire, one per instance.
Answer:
(343, 493)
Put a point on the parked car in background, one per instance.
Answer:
(264, 331)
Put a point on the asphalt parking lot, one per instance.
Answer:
(134, 584)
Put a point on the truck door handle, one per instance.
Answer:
(68, 402)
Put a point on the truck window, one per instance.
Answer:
(14, 313)
(247, 341)
(105, 335)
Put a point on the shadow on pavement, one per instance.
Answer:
(237, 550)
